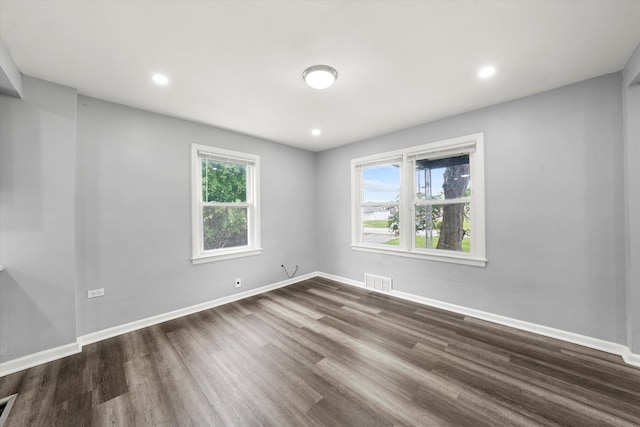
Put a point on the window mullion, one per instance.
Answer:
(411, 197)
(406, 200)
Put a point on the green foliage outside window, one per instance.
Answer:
(431, 218)
(223, 182)
(224, 227)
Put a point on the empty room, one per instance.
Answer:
(319, 213)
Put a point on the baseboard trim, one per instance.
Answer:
(153, 320)
(586, 341)
(35, 359)
(347, 281)
(45, 356)
(631, 358)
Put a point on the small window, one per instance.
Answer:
(226, 214)
(425, 201)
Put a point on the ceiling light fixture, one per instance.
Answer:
(160, 79)
(320, 76)
(316, 132)
(486, 72)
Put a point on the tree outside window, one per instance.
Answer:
(436, 208)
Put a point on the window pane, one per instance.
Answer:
(224, 227)
(444, 227)
(380, 225)
(381, 183)
(223, 182)
(443, 178)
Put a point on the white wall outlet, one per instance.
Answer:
(238, 282)
(95, 293)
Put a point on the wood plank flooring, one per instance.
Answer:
(320, 353)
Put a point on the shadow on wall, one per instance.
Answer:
(19, 308)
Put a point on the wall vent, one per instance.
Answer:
(377, 283)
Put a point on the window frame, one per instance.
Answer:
(473, 145)
(252, 204)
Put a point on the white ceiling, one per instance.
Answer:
(238, 64)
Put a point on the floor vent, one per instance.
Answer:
(378, 283)
(5, 407)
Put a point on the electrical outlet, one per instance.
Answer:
(95, 293)
(238, 282)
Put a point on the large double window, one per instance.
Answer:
(425, 201)
(226, 214)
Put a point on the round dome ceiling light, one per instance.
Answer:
(320, 76)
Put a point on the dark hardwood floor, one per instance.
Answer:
(321, 353)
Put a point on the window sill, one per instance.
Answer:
(221, 256)
(453, 258)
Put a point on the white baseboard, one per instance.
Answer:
(35, 359)
(346, 281)
(45, 356)
(583, 340)
(631, 358)
(153, 320)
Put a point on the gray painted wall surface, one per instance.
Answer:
(134, 215)
(549, 159)
(37, 219)
(554, 208)
(631, 96)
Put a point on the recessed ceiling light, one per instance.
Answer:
(320, 76)
(486, 72)
(316, 132)
(160, 79)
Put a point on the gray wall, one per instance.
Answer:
(554, 208)
(37, 219)
(134, 215)
(631, 96)
(120, 195)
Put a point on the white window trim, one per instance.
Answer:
(199, 255)
(470, 144)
